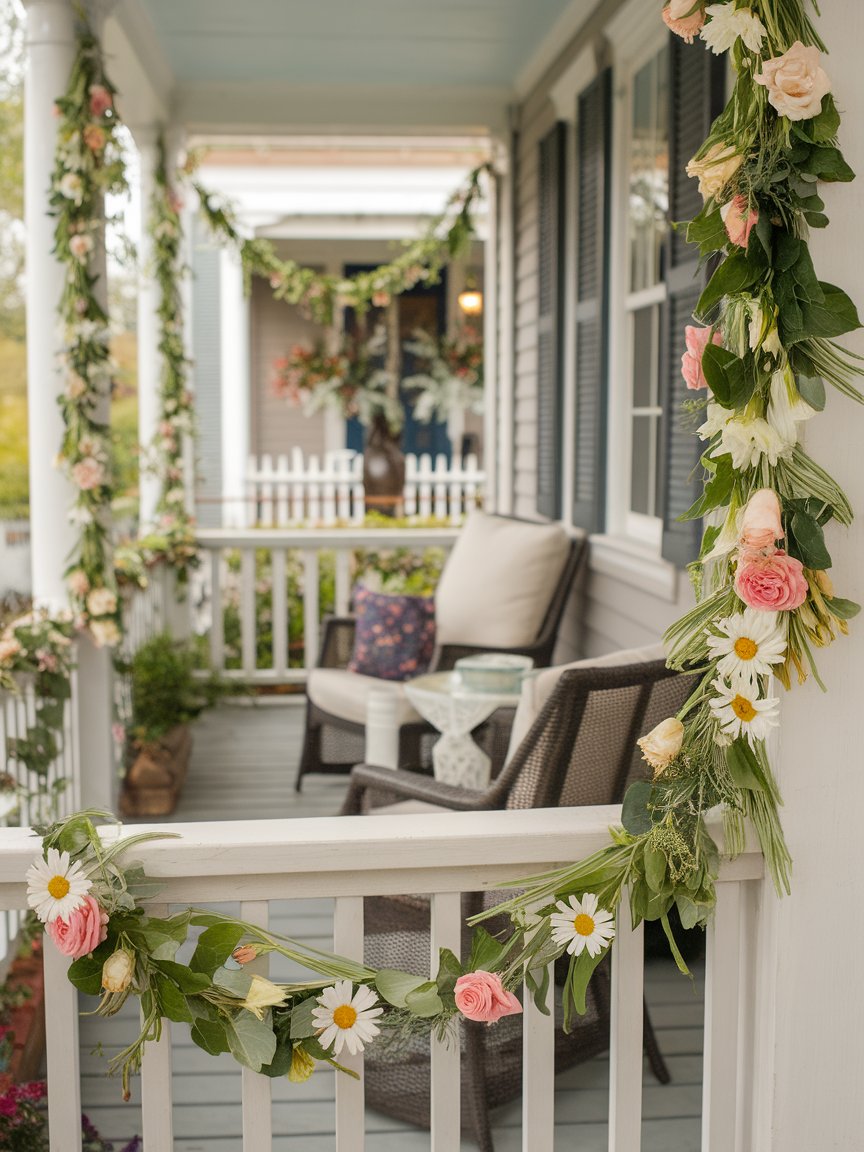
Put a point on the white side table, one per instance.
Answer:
(455, 711)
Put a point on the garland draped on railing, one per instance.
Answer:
(761, 356)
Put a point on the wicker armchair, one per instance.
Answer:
(579, 750)
(335, 714)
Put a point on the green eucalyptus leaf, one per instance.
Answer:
(576, 987)
(214, 947)
(210, 1035)
(732, 277)
(394, 986)
(833, 316)
(743, 766)
(449, 971)
(187, 981)
(808, 542)
(424, 1001)
(172, 1000)
(708, 231)
(824, 127)
(826, 162)
(237, 982)
(688, 911)
(655, 869)
(718, 489)
(86, 973)
(843, 609)
(539, 988)
(486, 951)
(280, 1065)
(635, 814)
(252, 1041)
(302, 1021)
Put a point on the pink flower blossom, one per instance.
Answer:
(691, 362)
(100, 100)
(46, 659)
(739, 220)
(245, 954)
(118, 734)
(795, 82)
(771, 583)
(77, 583)
(381, 299)
(88, 474)
(94, 137)
(84, 930)
(481, 996)
(678, 18)
(81, 246)
(761, 526)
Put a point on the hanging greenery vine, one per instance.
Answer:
(88, 165)
(321, 293)
(760, 356)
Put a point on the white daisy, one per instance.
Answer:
(727, 23)
(581, 925)
(740, 712)
(346, 1022)
(55, 887)
(751, 642)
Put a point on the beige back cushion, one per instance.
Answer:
(498, 582)
(539, 686)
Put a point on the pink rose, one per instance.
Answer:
(739, 219)
(381, 299)
(761, 525)
(84, 930)
(771, 583)
(481, 996)
(81, 246)
(795, 82)
(88, 473)
(100, 100)
(679, 17)
(94, 137)
(691, 362)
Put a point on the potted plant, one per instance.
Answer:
(166, 695)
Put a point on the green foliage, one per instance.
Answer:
(164, 688)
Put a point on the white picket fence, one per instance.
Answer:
(294, 491)
(255, 862)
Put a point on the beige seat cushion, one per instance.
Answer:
(346, 694)
(498, 582)
(411, 808)
(539, 686)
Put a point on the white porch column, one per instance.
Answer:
(234, 326)
(810, 1013)
(491, 332)
(149, 363)
(50, 52)
(506, 265)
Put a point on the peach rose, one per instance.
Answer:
(77, 583)
(771, 583)
(795, 82)
(81, 246)
(105, 633)
(84, 930)
(381, 299)
(761, 525)
(739, 220)
(100, 100)
(684, 18)
(481, 996)
(101, 602)
(88, 474)
(696, 340)
(94, 137)
(9, 649)
(715, 169)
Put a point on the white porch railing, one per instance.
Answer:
(226, 586)
(349, 858)
(300, 492)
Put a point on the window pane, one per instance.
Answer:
(648, 171)
(643, 459)
(645, 354)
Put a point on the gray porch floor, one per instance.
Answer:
(243, 766)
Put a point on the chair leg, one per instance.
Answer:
(310, 755)
(652, 1048)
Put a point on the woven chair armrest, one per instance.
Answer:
(410, 786)
(337, 641)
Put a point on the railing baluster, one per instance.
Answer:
(343, 581)
(256, 1089)
(279, 600)
(217, 629)
(62, 1055)
(350, 1106)
(282, 491)
(157, 1095)
(310, 608)
(722, 980)
(625, 1041)
(538, 1076)
(446, 1112)
(248, 635)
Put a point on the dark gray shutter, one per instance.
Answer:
(593, 156)
(550, 326)
(696, 94)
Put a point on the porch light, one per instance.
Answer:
(471, 300)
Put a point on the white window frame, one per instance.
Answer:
(637, 35)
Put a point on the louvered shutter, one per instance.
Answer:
(593, 156)
(696, 94)
(550, 326)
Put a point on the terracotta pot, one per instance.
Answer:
(155, 776)
(383, 469)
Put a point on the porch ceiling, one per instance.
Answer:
(292, 65)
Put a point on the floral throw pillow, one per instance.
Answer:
(395, 635)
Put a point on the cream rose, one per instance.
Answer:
(715, 169)
(795, 82)
(9, 649)
(117, 971)
(78, 583)
(101, 602)
(105, 633)
(662, 744)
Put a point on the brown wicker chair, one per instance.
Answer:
(334, 743)
(579, 750)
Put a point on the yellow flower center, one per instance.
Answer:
(58, 887)
(745, 648)
(344, 1016)
(743, 709)
(584, 924)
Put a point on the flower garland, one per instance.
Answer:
(450, 375)
(321, 294)
(88, 165)
(173, 536)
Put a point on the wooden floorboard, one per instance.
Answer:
(244, 766)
